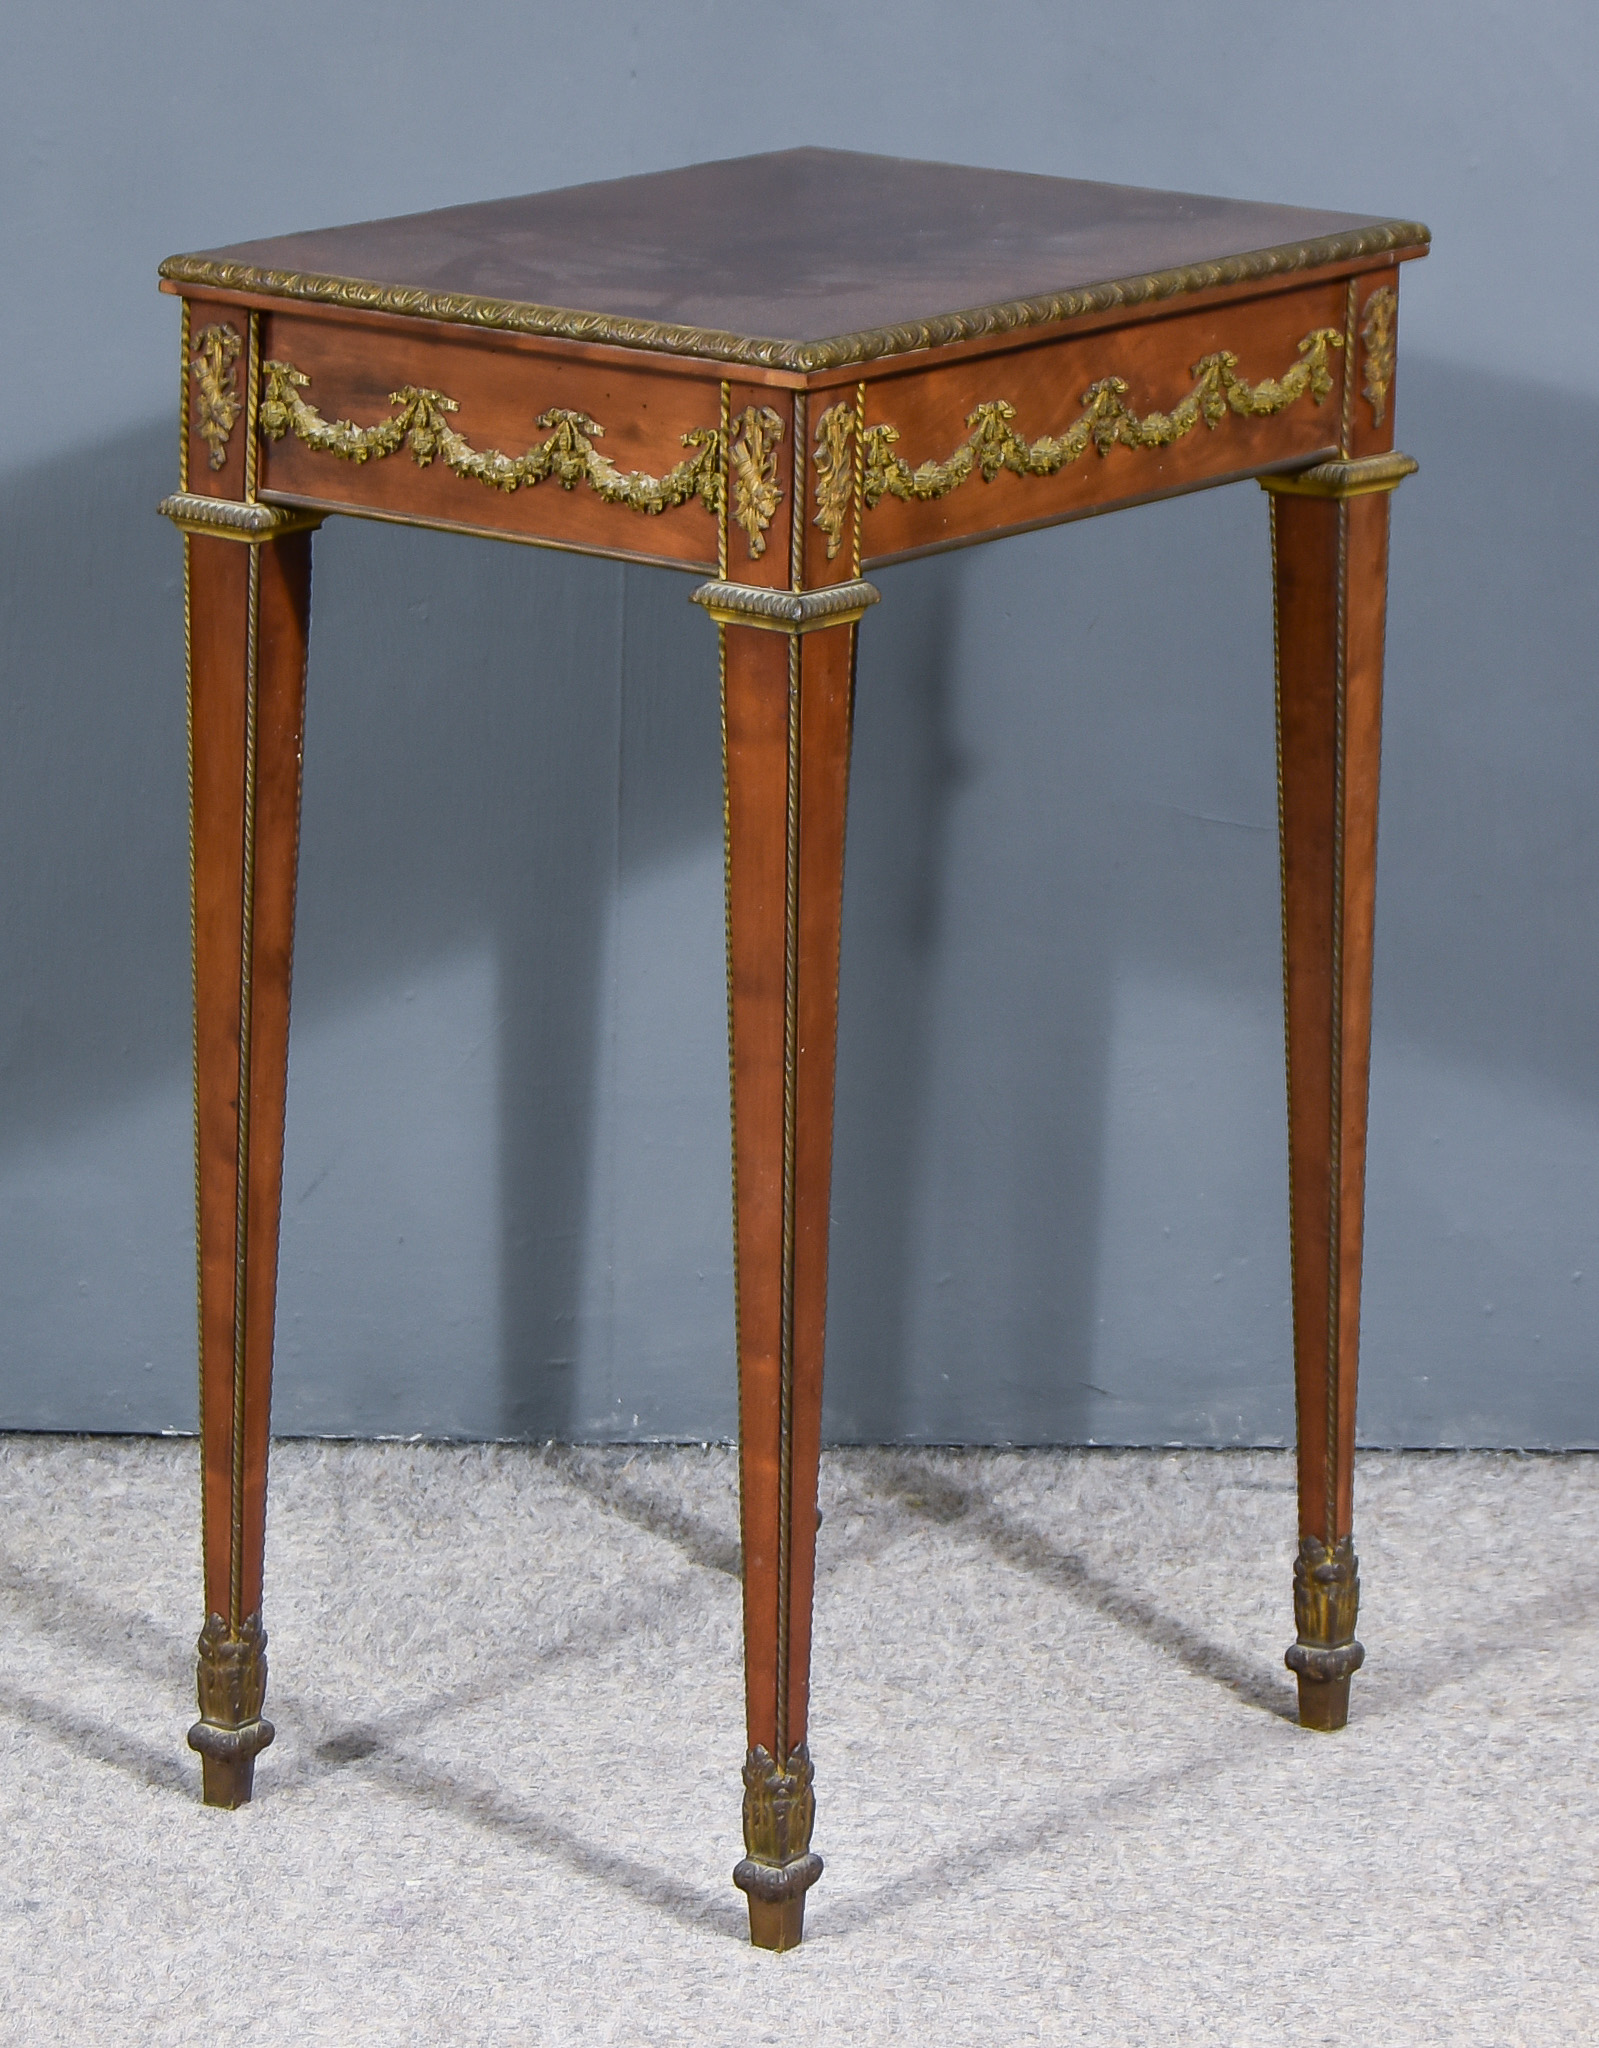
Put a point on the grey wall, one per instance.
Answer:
(1060, 1185)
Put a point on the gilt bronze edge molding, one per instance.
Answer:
(786, 611)
(234, 518)
(1357, 479)
(834, 352)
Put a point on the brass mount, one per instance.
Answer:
(778, 1868)
(231, 1676)
(1325, 1655)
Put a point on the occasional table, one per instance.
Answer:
(780, 372)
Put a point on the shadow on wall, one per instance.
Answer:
(1489, 920)
(1076, 774)
(1063, 809)
(93, 800)
(905, 773)
(1063, 778)
(464, 727)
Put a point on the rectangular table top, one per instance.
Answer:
(800, 259)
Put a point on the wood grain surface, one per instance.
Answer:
(237, 1011)
(795, 245)
(799, 244)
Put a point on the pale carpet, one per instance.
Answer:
(1061, 1800)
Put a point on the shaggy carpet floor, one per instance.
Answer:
(1061, 1796)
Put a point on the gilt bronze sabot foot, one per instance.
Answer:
(231, 1675)
(778, 1868)
(1325, 1655)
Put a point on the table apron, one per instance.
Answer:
(431, 430)
(964, 450)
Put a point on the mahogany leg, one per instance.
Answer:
(248, 613)
(787, 703)
(1330, 563)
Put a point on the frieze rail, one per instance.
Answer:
(747, 454)
(740, 460)
(421, 423)
(1106, 422)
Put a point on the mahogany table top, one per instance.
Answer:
(800, 259)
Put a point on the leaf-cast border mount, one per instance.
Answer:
(421, 423)
(467, 309)
(835, 472)
(212, 362)
(752, 466)
(1107, 421)
(1377, 336)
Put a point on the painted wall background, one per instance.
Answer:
(1060, 1183)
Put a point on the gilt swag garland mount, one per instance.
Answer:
(736, 467)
